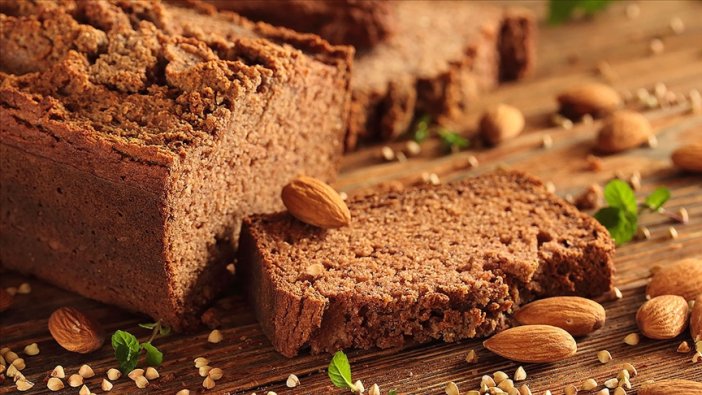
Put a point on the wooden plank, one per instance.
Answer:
(249, 362)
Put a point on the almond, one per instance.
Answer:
(682, 278)
(578, 316)
(589, 98)
(688, 157)
(696, 320)
(6, 299)
(501, 123)
(533, 343)
(74, 331)
(623, 130)
(674, 386)
(316, 203)
(663, 317)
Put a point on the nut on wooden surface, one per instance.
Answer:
(75, 331)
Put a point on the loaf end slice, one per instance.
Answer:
(445, 262)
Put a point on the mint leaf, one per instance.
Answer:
(657, 198)
(619, 194)
(421, 129)
(620, 223)
(340, 371)
(127, 350)
(562, 10)
(453, 140)
(154, 357)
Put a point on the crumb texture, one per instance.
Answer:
(446, 262)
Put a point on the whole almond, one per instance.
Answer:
(501, 123)
(533, 343)
(589, 98)
(315, 203)
(696, 320)
(6, 299)
(674, 386)
(75, 331)
(663, 317)
(623, 130)
(578, 316)
(688, 157)
(683, 278)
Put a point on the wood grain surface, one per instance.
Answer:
(567, 55)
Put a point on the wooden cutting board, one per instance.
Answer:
(612, 48)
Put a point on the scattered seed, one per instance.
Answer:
(75, 380)
(588, 385)
(677, 25)
(19, 364)
(635, 180)
(594, 163)
(374, 390)
(631, 369)
(86, 372)
(520, 374)
(387, 153)
(24, 384)
(633, 11)
(550, 187)
(358, 385)
(84, 390)
(684, 348)
(413, 148)
(231, 268)
(656, 46)
(570, 389)
(547, 141)
(619, 391)
(151, 373)
(185, 392)
(10, 356)
(24, 289)
(401, 157)
(452, 389)
(58, 372)
(54, 384)
(524, 390)
(611, 383)
(434, 179)
(623, 375)
(473, 161)
(204, 370)
(472, 356)
(500, 376)
(695, 103)
(624, 383)
(643, 233)
(31, 349)
(12, 371)
(216, 374)
(672, 233)
(683, 216)
(208, 383)
(697, 357)
(632, 339)
(652, 141)
(135, 373)
(270, 393)
(200, 362)
(604, 356)
(113, 374)
(617, 293)
(487, 381)
(603, 391)
(141, 382)
(215, 336)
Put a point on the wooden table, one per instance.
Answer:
(567, 55)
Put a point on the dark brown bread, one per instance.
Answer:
(442, 262)
(361, 23)
(436, 60)
(134, 136)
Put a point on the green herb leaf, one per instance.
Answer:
(620, 223)
(657, 198)
(453, 140)
(340, 371)
(127, 350)
(619, 194)
(421, 129)
(562, 10)
(392, 392)
(164, 330)
(154, 357)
